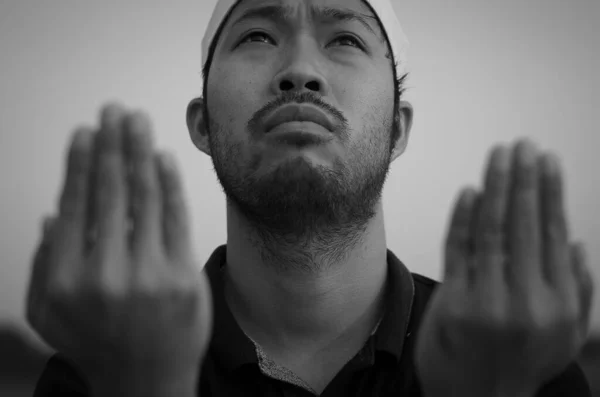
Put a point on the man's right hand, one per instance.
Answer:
(114, 284)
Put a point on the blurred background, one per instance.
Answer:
(481, 73)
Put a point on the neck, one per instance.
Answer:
(299, 294)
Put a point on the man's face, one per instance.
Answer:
(300, 177)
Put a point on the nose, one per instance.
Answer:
(300, 74)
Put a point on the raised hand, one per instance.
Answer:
(114, 285)
(514, 308)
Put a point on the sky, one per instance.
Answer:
(481, 73)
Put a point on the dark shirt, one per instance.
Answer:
(236, 366)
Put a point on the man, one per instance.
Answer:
(302, 115)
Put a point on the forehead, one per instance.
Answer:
(296, 6)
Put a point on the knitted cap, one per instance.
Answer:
(383, 10)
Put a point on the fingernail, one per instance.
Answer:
(526, 152)
(469, 195)
(502, 158)
(82, 137)
(111, 114)
(139, 125)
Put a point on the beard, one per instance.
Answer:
(302, 214)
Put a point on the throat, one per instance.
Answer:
(311, 362)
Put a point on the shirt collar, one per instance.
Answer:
(232, 348)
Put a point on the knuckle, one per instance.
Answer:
(109, 285)
(554, 230)
(491, 232)
(79, 164)
(147, 280)
(145, 185)
(70, 205)
(107, 177)
(526, 176)
(497, 181)
(175, 208)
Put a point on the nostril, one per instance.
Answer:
(286, 85)
(313, 86)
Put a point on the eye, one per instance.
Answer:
(346, 38)
(249, 37)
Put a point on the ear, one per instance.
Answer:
(195, 122)
(404, 119)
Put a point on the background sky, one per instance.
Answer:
(481, 73)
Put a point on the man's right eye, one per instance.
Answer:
(249, 38)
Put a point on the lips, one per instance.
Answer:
(291, 113)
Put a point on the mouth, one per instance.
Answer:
(298, 113)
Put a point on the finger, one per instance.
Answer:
(523, 266)
(457, 250)
(109, 196)
(176, 230)
(491, 222)
(555, 240)
(585, 281)
(475, 211)
(74, 198)
(144, 205)
(40, 269)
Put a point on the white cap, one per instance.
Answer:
(383, 9)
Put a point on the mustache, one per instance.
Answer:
(297, 98)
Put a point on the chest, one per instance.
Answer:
(312, 371)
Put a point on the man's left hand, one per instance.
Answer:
(514, 308)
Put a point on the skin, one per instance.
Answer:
(306, 242)
(115, 287)
(514, 308)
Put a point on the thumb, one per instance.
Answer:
(585, 284)
(47, 225)
(458, 240)
(39, 271)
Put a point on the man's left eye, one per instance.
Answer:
(344, 39)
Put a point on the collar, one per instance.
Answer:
(232, 348)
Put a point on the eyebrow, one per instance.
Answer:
(283, 15)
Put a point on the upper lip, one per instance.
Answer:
(290, 113)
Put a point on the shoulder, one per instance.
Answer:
(424, 287)
(424, 281)
(569, 383)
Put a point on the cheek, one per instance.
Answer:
(232, 96)
(368, 105)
